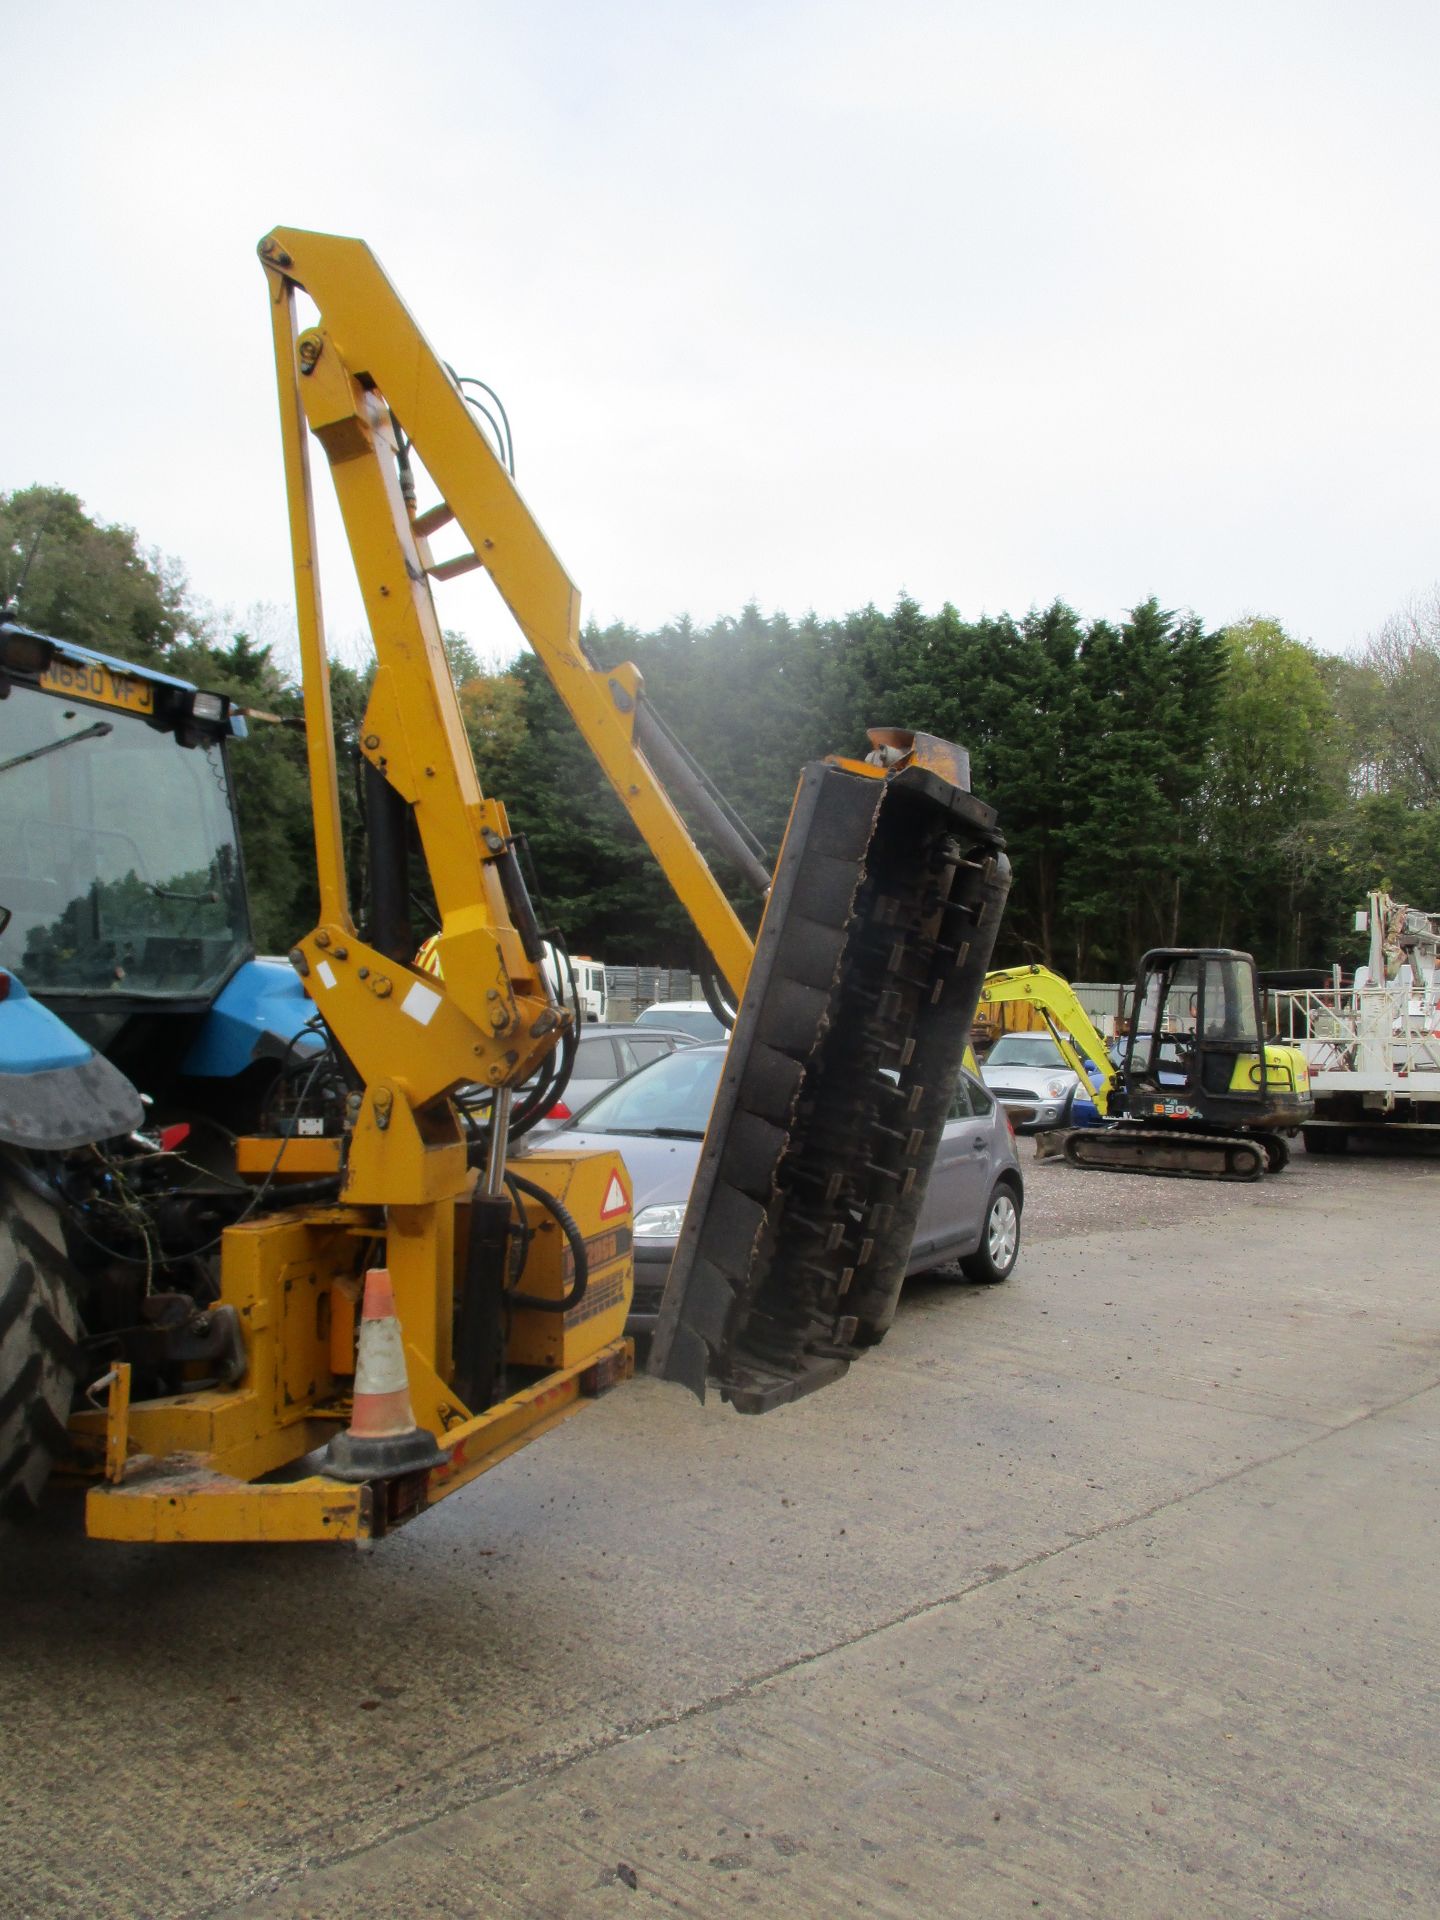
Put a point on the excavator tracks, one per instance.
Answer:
(839, 1078)
(1171, 1152)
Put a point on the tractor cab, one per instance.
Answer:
(126, 963)
(121, 886)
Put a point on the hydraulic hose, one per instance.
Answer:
(546, 1091)
(566, 1222)
(683, 775)
(715, 999)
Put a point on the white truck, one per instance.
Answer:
(1374, 1043)
(589, 982)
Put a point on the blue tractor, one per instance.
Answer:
(139, 1036)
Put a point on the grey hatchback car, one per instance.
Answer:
(605, 1054)
(656, 1119)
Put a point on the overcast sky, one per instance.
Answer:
(805, 302)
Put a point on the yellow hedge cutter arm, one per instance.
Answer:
(851, 1024)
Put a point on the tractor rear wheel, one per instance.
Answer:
(39, 1350)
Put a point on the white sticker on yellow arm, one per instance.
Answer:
(420, 1003)
(326, 973)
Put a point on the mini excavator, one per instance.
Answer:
(1197, 1092)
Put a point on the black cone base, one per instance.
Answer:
(350, 1458)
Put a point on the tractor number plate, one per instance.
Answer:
(92, 680)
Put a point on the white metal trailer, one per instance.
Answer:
(1373, 1044)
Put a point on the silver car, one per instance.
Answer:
(1027, 1073)
(603, 1055)
(656, 1119)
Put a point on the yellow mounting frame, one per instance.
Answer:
(184, 1468)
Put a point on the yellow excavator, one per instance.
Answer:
(1195, 1091)
(187, 1228)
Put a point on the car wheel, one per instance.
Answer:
(994, 1259)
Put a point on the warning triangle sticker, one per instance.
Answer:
(616, 1199)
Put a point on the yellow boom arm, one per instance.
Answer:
(364, 368)
(1071, 1028)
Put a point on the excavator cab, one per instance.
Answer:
(1196, 1015)
(1195, 1050)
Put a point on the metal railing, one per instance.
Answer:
(1372, 1029)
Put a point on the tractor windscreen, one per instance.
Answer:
(119, 864)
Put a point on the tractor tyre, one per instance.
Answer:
(39, 1350)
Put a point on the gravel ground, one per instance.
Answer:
(1110, 1593)
(1062, 1202)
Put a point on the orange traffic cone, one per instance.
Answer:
(382, 1440)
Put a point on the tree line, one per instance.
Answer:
(1158, 781)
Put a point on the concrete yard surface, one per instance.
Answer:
(1112, 1591)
